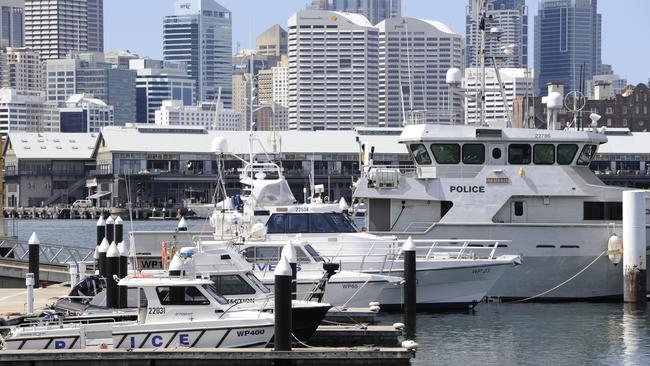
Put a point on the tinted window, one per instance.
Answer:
(566, 153)
(544, 154)
(473, 154)
(257, 282)
(603, 210)
(341, 223)
(587, 153)
(181, 295)
(420, 154)
(301, 256)
(319, 224)
(262, 254)
(519, 208)
(231, 285)
(313, 253)
(298, 223)
(215, 294)
(446, 153)
(519, 154)
(276, 223)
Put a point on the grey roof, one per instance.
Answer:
(52, 145)
(193, 140)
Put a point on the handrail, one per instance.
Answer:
(49, 253)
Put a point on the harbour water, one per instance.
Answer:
(494, 334)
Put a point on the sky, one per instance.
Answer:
(136, 25)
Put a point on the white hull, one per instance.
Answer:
(544, 268)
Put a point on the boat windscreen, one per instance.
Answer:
(313, 253)
(215, 294)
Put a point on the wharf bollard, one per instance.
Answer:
(35, 258)
(110, 229)
(410, 288)
(289, 251)
(182, 224)
(112, 270)
(282, 309)
(634, 247)
(124, 271)
(101, 257)
(101, 234)
(101, 230)
(29, 282)
(119, 230)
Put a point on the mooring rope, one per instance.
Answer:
(563, 283)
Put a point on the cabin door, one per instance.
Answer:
(495, 154)
(518, 211)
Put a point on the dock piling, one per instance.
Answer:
(34, 257)
(119, 230)
(634, 247)
(101, 234)
(282, 309)
(289, 251)
(101, 260)
(182, 224)
(112, 271)
(29, 282)
(110, 229)
(410, 288)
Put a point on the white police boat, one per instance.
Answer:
(172, 312)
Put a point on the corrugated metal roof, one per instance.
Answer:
(52, 145)
(129, 139)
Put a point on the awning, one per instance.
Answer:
(98, 195)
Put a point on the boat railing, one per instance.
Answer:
(14, 249)
(417, 227)
(402, 168)
(381, 255)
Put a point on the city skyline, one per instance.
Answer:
(121, 26)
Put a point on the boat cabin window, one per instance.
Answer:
(420, 154)
(587, 153)
(231, 285)
(544, 154)
(215, 294)
(519, 154)
(566, 153)
(519, 208)
(298, 223)
(266, 254)
(603, 210)
(181, 295)
(331, 222)
(473, 154)
(446, 153)
(258, 283)
(496, 153)
(313, 253)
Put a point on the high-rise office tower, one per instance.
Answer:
(200, 35)
(272, 42)
(567, 43)
(374, 10)
(25, 70)
(511, 17)
(88, 73)
(333, 76)
(55, 27)
(158, 81)
(12, 23)
(414, 56)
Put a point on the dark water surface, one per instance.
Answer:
(494, 334)
(535, 334)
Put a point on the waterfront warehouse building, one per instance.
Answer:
(333, 71)
(200, 35)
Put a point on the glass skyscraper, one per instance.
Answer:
(567, 40)
(12, 23)
(200, 35)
